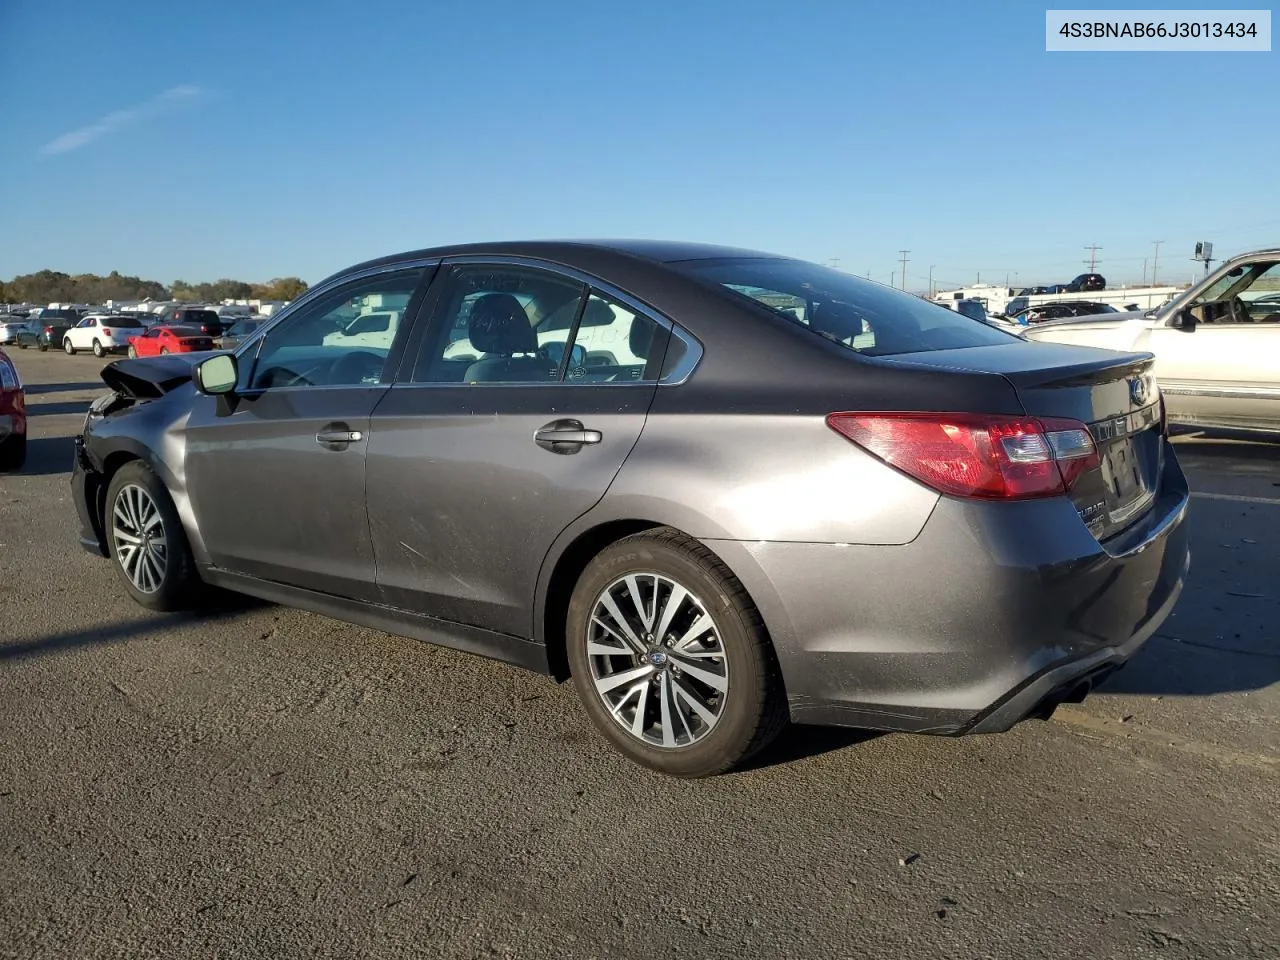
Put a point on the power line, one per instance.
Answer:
(905, 261)
(1093, 249)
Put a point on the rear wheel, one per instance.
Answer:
(147, 542)
(13, 453)
(97, 349)
(164, 350)
(66, 345)
(42, 347)
(670, 657)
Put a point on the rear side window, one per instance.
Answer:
(858, 314)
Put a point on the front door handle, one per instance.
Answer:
(565, 436)
(338, 435)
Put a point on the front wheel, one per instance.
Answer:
(147, 543)
(42, 347)
(97, 349)
(670, 657)
(66, 345)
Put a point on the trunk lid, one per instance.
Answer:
(1114, 394)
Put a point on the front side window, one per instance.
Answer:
(500, 324)
(862, 316)
(342, 338)
(1246, 294)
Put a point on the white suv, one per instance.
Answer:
(102, 333)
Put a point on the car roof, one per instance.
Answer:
(657, 251)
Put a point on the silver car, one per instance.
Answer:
(718, 489)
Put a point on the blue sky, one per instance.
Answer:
(259, 139)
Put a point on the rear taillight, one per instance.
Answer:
(48, 330)
(106, 331)
(982, 456)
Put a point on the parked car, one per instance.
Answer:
(102, 333)
(9, 327)
(242, 328)
(1216, 345)
(43, 333)
(953, 528)
(203, 319)
(1087, 282)
(1059, 310)
(164, 338)
(13, 417)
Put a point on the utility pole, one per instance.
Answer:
(1093, 249)
(1155, 263)
(1144, 271)
(931, 266)
(905, 261)
(834, 263)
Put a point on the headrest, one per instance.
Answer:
(641, 338)
(498, 324)
(837, 320)
(597, 314)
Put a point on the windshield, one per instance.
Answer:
(863, 316)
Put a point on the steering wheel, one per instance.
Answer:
(1240, 311)
(356, 367)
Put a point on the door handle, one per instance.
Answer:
(338, 434)
(565, 436)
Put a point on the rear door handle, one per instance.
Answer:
(338, 434)
(565, 436)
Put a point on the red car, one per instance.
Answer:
(164, 338)
(13, 417)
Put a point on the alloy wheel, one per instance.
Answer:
(657, 660)
(137, 530)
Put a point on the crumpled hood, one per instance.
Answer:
(146, 378)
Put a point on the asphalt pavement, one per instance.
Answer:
(260, 782)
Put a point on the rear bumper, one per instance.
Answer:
(996, 612)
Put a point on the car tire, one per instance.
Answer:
(97, 349)
(42, 347)
(158, 576)
(21, 345)
(164, 351)
(736, 715)
(66, 345)
(133, 353)
(13, 453)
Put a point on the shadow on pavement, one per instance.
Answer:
(229, 606)
(799, 742)
(48, 455)
(32, 390)
(53, 409)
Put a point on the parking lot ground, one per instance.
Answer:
(260, 782)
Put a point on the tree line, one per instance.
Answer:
(52, 286)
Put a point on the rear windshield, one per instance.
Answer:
(123, 322)
(199, 316)
(865, 317)
(186, 331)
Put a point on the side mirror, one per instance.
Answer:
(218, 375)
(1184, 320)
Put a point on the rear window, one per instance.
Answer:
(129, 322)
(863, 316)
(186, 331)
(199, 316)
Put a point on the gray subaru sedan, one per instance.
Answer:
(718, 489)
